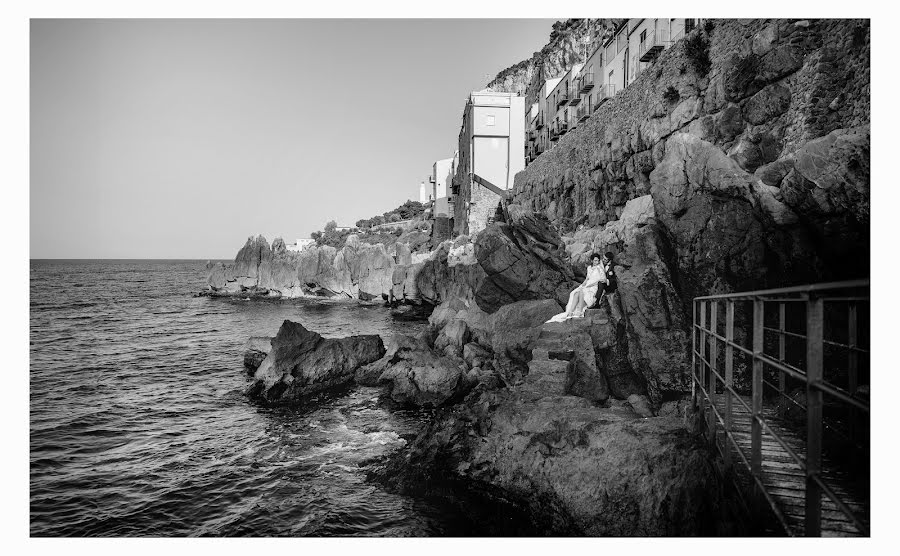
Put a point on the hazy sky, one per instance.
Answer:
(180, 138)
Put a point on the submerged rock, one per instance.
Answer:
(302, 363)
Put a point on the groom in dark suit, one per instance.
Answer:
(611, 284)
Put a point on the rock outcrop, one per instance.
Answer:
(302, 363)
(571, 467)
(356, 271)
(520, 259)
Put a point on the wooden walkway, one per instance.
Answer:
(784, 479)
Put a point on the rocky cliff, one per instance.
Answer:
(738, 160)
(358, 271)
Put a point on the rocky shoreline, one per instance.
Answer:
(752, 173)
(547, 421)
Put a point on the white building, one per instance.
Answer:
(442, 186)
(302, 242)
(424, 193)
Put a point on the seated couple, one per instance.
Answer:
(600, 274)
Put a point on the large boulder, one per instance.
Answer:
(522, 259)
(415, 374)
(726, 228)
(302, 363)
(571, 467)
(828, 186)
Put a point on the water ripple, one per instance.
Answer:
(139, 427)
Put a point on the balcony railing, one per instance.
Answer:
(604, 93)
(584, 111)
(586, 82)
(653, 44)
(574, 97)
(562, 98)
(783, 384)
(539, 123)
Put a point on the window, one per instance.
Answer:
(610, 52)
(643, 36)
(621, 41)
(489, 120)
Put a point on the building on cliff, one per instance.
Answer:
(301, 243)
(492, 148)
(540, 128)
(611, 66)
(559, 100)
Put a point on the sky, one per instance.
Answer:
(181, 138)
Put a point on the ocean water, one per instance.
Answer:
(139, 428)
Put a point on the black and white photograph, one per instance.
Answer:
(498, 275)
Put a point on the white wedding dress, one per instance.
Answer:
(583, 296)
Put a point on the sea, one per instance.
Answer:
(139, 425)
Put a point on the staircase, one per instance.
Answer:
(552, 357)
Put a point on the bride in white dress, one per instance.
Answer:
(584, 295)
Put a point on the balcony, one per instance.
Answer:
(562, 128)
(653, 45)
(583, 112)
(586, 82)
(604, 93)
(539, 122)
(562, 98)
(574, 97)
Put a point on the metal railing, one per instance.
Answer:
(562, 98)
(653, 44)
(814, 338)
(604, 93)
(586, 82)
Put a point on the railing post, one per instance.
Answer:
(814, 348)
(756, 393)
(852, 365)
(694, 355)
(729, 375)
(702, 350)
(782, 377)
(713, 353)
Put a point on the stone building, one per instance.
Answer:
(491, 146)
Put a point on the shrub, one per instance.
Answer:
(671, 95)
(696, 47)
(708, 26)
